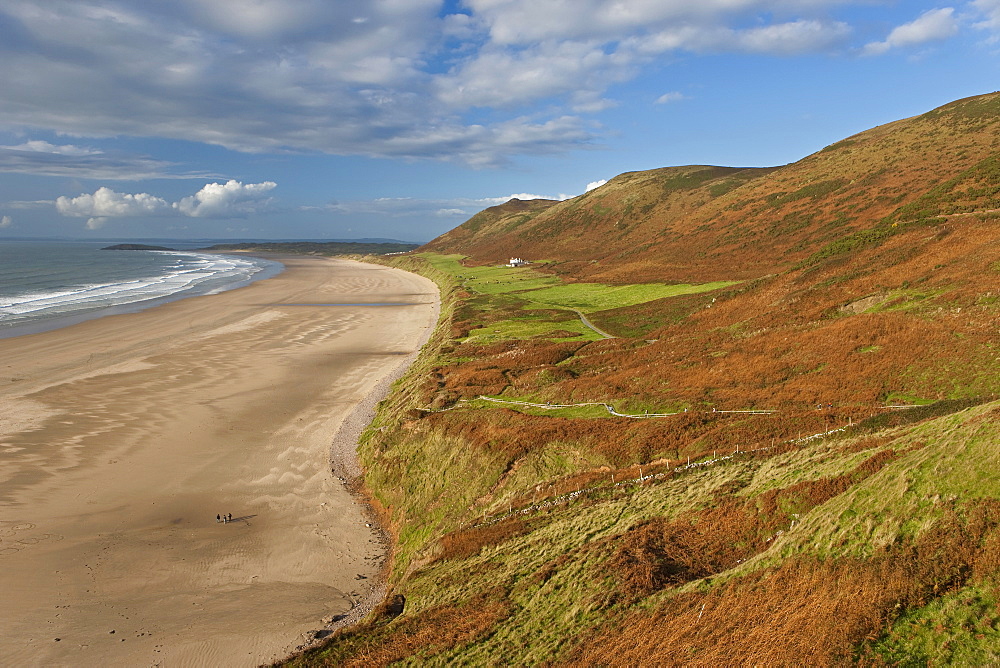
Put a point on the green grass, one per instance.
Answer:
(487, 279)
(960, 628)
(592, 297)
(578, 539)
(906, 299)
(436, 484)
(905, 497)
(525, 294)
(430, 482)
(530, 328)
(544, 291)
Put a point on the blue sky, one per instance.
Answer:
(295, 119)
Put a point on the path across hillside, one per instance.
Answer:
(592, 326)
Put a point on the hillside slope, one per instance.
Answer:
(701, 223)
(785, 455)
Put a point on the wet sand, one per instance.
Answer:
(121, 438)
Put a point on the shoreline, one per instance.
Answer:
(133, 431)
(51, 323)
(345, 466)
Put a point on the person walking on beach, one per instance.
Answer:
(218, 518)
(230, 517)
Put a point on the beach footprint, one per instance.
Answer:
(13, 538)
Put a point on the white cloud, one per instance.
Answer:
(526, 22)
(509, 78)
(491, 146)
(782, 39)
(46, 159)
(30, 204)
(672, 96)
(395, 78)
(390, 78)
(105, 202)
(6, 222)
(990, 11)
(791, 38)
(595, 184)
(226, 200)
(215, 200)
(931, 26)
(38, 146)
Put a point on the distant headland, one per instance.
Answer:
(319, 247)
(294, 247)
(137, 247)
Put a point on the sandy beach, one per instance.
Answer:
(122, 438)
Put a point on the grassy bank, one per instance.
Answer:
(531, 536)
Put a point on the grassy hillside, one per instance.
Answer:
(784, 458)
(698, 223)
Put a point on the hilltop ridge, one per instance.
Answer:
(700, 222)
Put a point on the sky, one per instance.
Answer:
(400, 119)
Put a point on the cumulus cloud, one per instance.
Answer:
(6, 222)
(105, 203)
(595, 184)
(226, 200)
(215, 200)
(390, 79)
(931, 26)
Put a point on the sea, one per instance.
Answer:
(49, 284)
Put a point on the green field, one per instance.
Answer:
(593, 297)
(537, 291)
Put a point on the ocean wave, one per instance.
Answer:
(188, 274)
